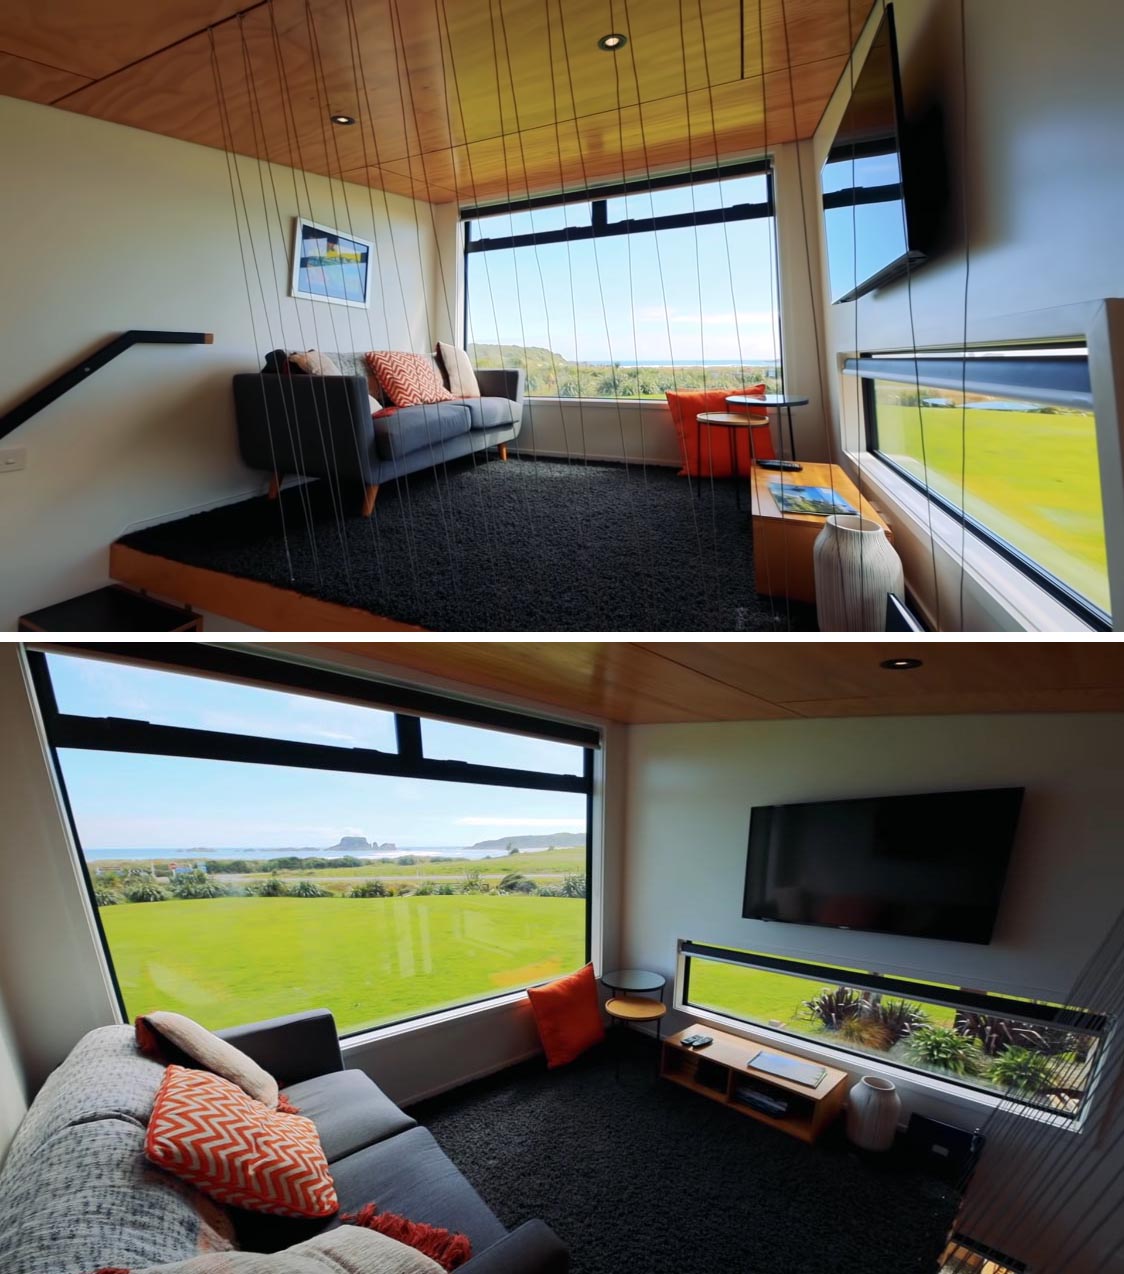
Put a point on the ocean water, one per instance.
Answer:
(428, 851)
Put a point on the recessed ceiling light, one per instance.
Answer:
(900, 665)
(612, 42)
(343, 119)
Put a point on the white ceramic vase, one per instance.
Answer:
(873, 1107)
(856, 568)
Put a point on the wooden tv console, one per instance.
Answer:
(718, 1070)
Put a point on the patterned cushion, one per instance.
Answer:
(316, 363)
(206, 1130)
(88, 1198)
(407, 379)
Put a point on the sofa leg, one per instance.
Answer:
(274, 487)
(370, 495)
(503, 450)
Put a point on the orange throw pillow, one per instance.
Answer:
(568, 1015)
(407, 379)
(207, 1131)
(711, 455)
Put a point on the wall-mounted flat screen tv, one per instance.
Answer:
(885, 188)
(927, 866)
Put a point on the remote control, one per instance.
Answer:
(704, 1041)
(790, 465)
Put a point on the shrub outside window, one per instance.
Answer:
(243, 875)
(1037, 1055)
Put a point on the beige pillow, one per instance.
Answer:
(346, 1250)
(175, 1038)
(462, 379)
(317, 364)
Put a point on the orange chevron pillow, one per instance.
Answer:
(207, 1131)
(408, 379)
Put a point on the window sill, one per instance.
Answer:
(982, 1103)
(1013, 600)
(598, 402)
(393, 1030)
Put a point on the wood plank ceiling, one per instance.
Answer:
(465, 100)
(652, 682)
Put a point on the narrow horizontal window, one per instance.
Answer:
(1035, 1054)
(1006, 442)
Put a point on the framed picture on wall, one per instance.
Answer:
(329, 265)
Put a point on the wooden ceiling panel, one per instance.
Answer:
(34, 82)
(469, 99)
(647, 683)
(94, 37)
(602, 679)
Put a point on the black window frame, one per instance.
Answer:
(1063, 1017)
(601, 227)
(409, 705)
(1047, 377)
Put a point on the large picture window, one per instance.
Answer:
(253, 849)
(1036, 1054)
(1005, 441)
(631, 290)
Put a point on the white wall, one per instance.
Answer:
(116, 228)
(690, 791)
(1044, 173)
(13, 1092)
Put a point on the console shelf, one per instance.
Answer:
(720, 1073)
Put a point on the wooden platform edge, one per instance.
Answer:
(246, 601)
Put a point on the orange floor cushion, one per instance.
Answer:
(711, 455)
(568, 1015)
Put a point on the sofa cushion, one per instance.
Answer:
(207, 1131)
(172, 1037)
(408, 379)
(398, 433)
(459, 375)
(346, 1250)
(349, 1110)
(492, 413)
(88, 1198)
(103, 1077)
(410, 1174)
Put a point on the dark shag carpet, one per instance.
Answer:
(486, 546)
(636, 1174)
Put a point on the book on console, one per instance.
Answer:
(819, 501)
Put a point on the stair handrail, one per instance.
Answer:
(85, 367)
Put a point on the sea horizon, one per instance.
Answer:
(304, 851)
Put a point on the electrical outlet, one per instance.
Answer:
(13, 458)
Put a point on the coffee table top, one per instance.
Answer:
(730, 420)
(636, 980)
(766, 400)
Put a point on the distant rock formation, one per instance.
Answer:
(544, 840)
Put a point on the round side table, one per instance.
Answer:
(634, 981)
(731, 422)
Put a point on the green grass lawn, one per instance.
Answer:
(225, 961)
(1031, 478)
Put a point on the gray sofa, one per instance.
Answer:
(321, 427)
(76, 1192)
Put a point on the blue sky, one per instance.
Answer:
(697, 293)
(146, 802)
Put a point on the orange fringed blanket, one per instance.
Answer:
(447, 1249)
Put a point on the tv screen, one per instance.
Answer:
(884, 184)
(929, 866)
